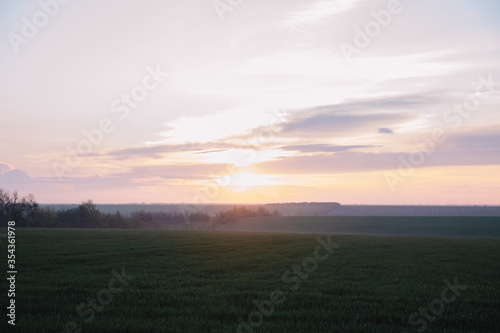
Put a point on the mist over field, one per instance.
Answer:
(305, 209)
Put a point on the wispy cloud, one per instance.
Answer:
(356, 162)
(312, 13)
(333, 124)
(322, 148)
(159, 151)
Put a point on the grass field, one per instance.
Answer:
(207, 281)
(441, 226)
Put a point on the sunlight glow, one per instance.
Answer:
(232, 122)
(241, 181)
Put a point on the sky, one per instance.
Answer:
(219, 101)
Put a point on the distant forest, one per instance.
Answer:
(26, 212)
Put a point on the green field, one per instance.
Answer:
(440, 226)
(189, 281)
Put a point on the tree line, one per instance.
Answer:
(26, 212)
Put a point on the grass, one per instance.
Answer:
(189, 281)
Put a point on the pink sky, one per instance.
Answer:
(359, 102)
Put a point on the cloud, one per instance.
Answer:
(487, 141)
(151, 151)
(177, 171)
(355, 117)
(16, 175)
(136, 180)
(317, 11)
(384, 130)
(333, 123)
(352, 118)
(324, 148)
(19, 180)
(209, 128)
(158, 151)
(5, 168)
(349, 162)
